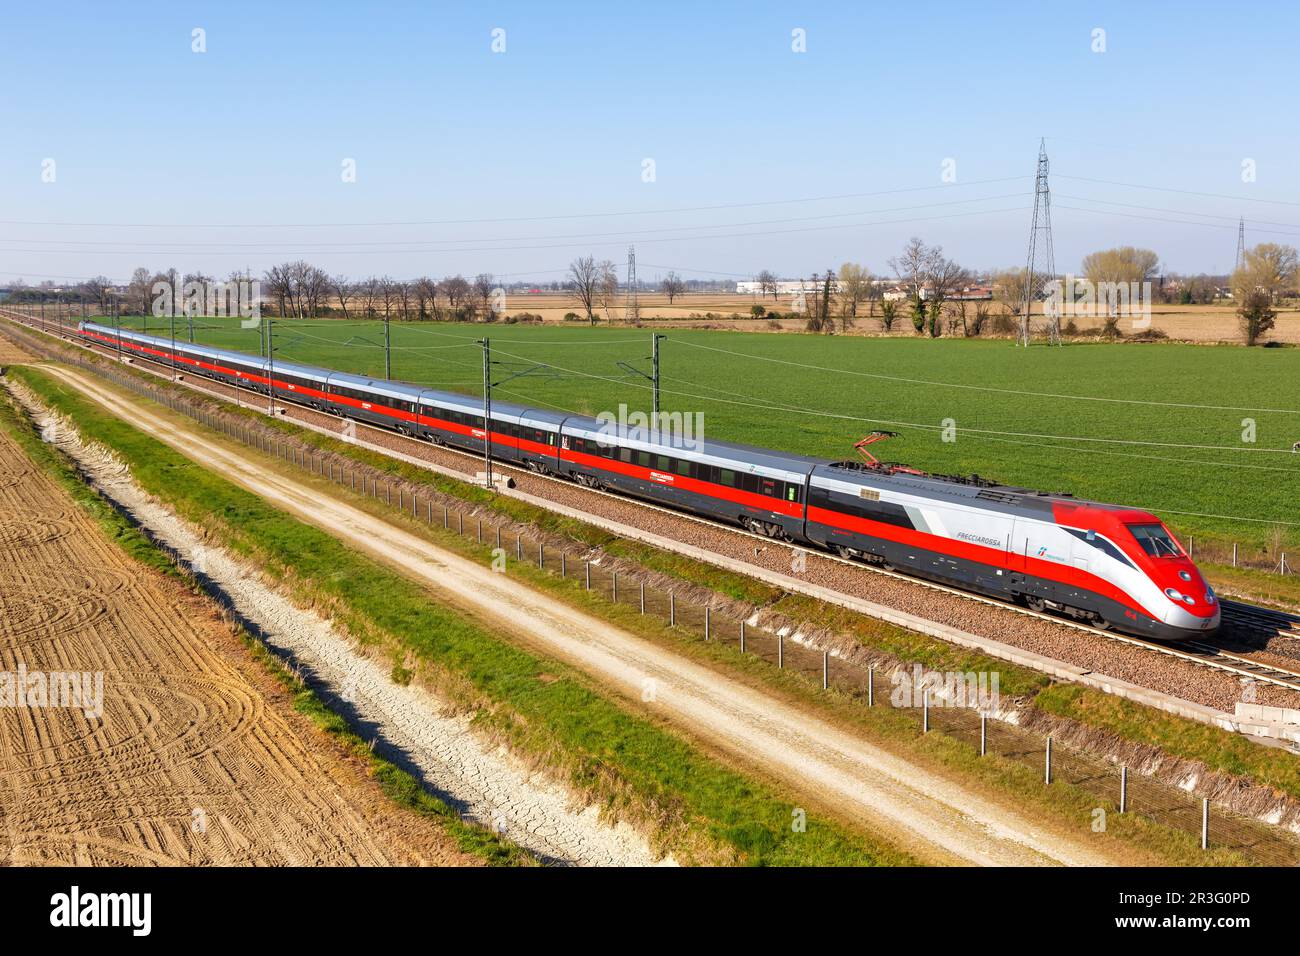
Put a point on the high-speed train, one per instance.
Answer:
(1103, 564)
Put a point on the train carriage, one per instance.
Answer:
(1105, 564)
(753, 487)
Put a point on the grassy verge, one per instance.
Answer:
(395, 783)
(632, 765)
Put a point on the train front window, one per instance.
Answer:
(1155, 540)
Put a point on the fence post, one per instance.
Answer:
(1234, 554)
(498, 536)
(871, 685)
(519, 547)
(588, 584)
(984, 735)
(780, 650)
(642, 597)
(925, 711)
(1284, 562)
(826, 669)
(706, 622)
(460, 522)
(613, 582)
(541, 555)
(742, 637)
(564, 563)
(429, 506)
(445, 523)
(1047, 765)
(672, 609)
(1123, 789)
(479, 531)
(1205, 823)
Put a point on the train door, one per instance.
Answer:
(1037, 547)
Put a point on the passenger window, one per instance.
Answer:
(728, 478)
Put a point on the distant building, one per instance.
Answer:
(786, 287)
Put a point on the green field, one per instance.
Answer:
(1154, 426)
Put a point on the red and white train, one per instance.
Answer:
(1107, 565)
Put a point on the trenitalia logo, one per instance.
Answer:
(660, 477)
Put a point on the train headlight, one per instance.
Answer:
(1176, 595)
(1209, 595)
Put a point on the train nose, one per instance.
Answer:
(1201, 617)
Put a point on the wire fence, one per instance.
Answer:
(1115, 789)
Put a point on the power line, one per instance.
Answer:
(202, 246)
(462, 222)
(561, 245)
(1185, 192)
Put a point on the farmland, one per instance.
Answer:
(1156, 426)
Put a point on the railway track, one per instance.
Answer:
(1240, 616)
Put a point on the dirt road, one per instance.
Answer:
(195, 756)
(926, 813)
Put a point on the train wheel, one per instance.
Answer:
(1035, 604)
(844, 551)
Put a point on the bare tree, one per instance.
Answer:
(457, 290)
(404, 295)
(140, 289)
(855, 288)
(367, 292)
(342, 292)
(484, 283)
(585, 277)
(607, 287)
(943, 277)
(911, 266)
(316, 286)
(767, 282)
(1270, 268)
(279, 286)
(673, 286)
(426, 297)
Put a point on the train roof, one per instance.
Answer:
(972, 489)
(695, 448)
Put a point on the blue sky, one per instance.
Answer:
(232, 157)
